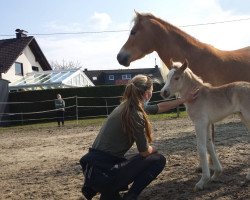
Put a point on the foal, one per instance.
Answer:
(212, 105)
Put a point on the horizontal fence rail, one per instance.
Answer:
(76, 108)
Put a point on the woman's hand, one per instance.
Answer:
(191, 96)
(149, 151)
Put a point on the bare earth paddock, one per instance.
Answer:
(44, 163)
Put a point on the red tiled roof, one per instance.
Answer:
(11, 49)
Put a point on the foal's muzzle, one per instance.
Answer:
(165, 94)
(123, 59)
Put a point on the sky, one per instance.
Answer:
(98, 50)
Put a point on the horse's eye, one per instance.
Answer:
(132, 32)
(176, 78)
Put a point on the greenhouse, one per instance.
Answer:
(51, 80)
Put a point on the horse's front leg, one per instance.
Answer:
(211, 133)
(201, 135)
(213, 157)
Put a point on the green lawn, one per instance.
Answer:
(87, 122)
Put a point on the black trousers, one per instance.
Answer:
(60, 116)
(139, 170)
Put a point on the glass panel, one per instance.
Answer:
(53, 77)
(64, 75)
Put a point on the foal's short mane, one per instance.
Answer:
(194, 78)
(190, 75)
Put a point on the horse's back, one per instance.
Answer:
(243, 50)
(216, 103)
(243, 55)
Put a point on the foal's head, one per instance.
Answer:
(140, 41)
(175, 79)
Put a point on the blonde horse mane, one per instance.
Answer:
(191, 76)
(195, 79)
(188, 38)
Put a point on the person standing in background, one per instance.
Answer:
(60, 106)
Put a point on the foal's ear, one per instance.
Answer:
(184, 66)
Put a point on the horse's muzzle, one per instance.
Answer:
(123, 59)
(165, 94)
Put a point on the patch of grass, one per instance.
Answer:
(167, 116)
(84, 122)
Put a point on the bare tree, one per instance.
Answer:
(64, 65)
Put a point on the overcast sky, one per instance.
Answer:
(99, 50)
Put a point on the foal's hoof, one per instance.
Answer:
(198, 188)
(248, 176)
(201, 184)
(198, 169)
(216, 175)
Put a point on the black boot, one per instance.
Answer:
(130, 196)
(115, 196)
(88, 192)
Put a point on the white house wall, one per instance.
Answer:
(28, 60)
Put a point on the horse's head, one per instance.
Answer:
(175, 79)
(140, 41)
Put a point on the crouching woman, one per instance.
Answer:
(105, 168)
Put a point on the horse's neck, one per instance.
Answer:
(191, 82)
(179, 45)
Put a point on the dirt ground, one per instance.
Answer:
(44, 163)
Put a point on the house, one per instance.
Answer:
(122, 76)
(19, 56)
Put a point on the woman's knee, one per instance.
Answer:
(158, 159)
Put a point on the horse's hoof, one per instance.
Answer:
(198, 169)
(216, 175)
(248, 176)
(201, 184)
(198, 188)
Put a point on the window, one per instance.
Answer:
(111, 77)
(19, 69)
(126, 76)
(94, 78)
(34, 68)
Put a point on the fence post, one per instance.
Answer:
(107, 110)
(76, 111)
(178, 110)
(22, 118)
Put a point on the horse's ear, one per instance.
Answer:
(186, 62)
(171, 63)
(184, 66)
(137, 13)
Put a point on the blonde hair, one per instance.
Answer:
(133, 100)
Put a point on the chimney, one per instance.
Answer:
(20, 33)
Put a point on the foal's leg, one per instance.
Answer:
(213, 157)
(210, 130)
(245, 118)
(210, 160)
(201, 134)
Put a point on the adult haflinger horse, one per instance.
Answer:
(214, 66)
(212, 105)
